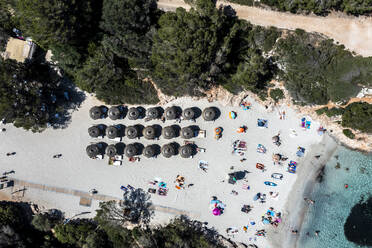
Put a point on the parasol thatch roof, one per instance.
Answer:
(168, 150)
(131, 132)
(94, 131)
(171, 113)
(130, 150)
(92, 150)
(112, 132)
(149, 151)
(111, 150)
(133, 114)
(188, 114)
(187, 133)
(152, 113)
(186, 151)
(95, 113)
(168, 132)
(149, 132)
(114, 113)
(209, 114)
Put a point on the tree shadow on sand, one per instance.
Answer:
(64, 112)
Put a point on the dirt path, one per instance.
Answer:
(354, 33)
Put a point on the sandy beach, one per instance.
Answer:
(34, 164)
(296, 207)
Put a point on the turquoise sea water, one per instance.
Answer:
(333, 202)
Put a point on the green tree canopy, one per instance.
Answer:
(56, 22)
(113, 81)
(129, 27)
(316, 70)
(358, 115)
(191, 48)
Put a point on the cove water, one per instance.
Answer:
(333, 202)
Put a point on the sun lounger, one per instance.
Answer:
(187, 142)
(201, 134)
(117, 162)
(118, 157)
(99, 156)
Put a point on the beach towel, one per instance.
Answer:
(300, 152)
(308, 123)
(262, 123)
(246, 186)
(261, 148)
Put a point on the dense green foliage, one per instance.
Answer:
(352, 7)
(113, 81)
(276, 94)
(4, 25)
(129, 27)
(348, 133)
(205, 47)
(330, 112)
(358, 115)
(97, 53)
(30, 94)
(317, 71)
(16, 231)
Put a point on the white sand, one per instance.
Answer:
(34, 162)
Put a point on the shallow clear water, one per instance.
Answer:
(333, 202)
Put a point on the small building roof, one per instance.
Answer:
(19, 50)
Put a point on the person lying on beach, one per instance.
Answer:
(309, 200)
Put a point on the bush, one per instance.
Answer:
(321, 110)
(358, 115)
(348, 133)
(276, 94)
(334, 112)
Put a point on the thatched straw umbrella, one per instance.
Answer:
(130, 150)
(171, 113)
(149, 132)
(133, 114)
(114, 113)
(186, 151)
(149, 151)
(92, 150)
(168, 132)
(188, 114)
(94, 131)
(112, 132)
(168, 150)
(152, 113)
(95, 113)
(111, 150)
(187, 133)
(209, 114)
(131, 132)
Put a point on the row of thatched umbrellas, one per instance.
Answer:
(131, 150)
(133, 113)
(149, 132)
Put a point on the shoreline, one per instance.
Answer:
(295, 207)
